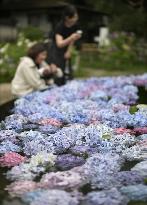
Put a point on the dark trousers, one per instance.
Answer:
(6, 109)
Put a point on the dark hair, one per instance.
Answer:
(35, 50)
(69, 11)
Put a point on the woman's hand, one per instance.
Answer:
(46, 72)
(75, 36)
(67, 55)
(53, 68)
(61, 42)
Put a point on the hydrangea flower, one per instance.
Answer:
(18, 188)
(141, 168)
(123, 130)
(89, 125)
(68, 161)
(83, 150)
(100, 169)
(140, 130)
(125, 178)
(23, 172)
(43, 158)
(11, 159)
(33, 167)
(35, 142)
(48, 129)
(111, 197)
(51, 121)
(49, 197)
(8, 146)
(135, 192)
(62, 180)
(8, 135)
(132, 153)
(15, 122)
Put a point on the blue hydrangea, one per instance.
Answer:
(100, 169)
(8, 135)
(34, 142)
(87, 143)
(135, 192)
(15, 122)
(49, 197)
(111, 197)
(8, 146)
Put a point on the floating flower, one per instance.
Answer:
(123, 130)
(140, 130)
(112, 197)
(8, 146)
(52, 122)
(135, 192)
(17, 189)
(49, 197)
(11, 159)
(62, 180)
(68, 161)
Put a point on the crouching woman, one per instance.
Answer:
(31, 72)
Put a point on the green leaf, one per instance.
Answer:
(133, 109)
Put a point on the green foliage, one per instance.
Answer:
(126, 54)
(110, 7)
(137, 203)
(32, 33)
(10, 55)
(123, 17)
(145, 180)
(106, 137)
(74, 55)
(133, 109)
(132, 20)
(124, 49)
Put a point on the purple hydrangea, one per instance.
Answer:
(100, 169)
(68, 161)
(111, 197)
(9, 135)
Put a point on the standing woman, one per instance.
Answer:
(65, 35)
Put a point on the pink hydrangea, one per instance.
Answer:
(123, 130)
(140, 82)
(119, 107)
(18, 188)
(61, 180)
(140, 130)
(11, 159)
(51, 121)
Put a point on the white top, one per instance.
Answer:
(27, 78)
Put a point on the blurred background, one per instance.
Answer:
(114, 40)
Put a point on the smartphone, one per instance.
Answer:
(79, 32)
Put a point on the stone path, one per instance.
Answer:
(5, 93)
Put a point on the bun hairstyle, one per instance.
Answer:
(69, 11)
(34, 51)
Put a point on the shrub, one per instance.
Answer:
(125, 48)
(10, 55)
(32, 33)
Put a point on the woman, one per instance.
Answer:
(64, 37)
(31, 70)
